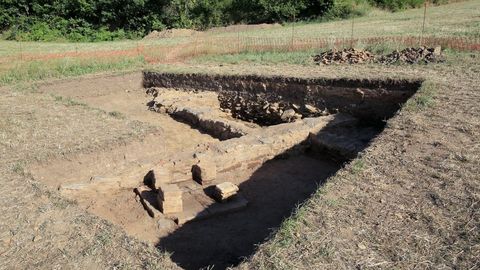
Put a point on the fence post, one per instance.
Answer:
(238, 41)
(351, 37)
(293, 32)
(195, 47)
(21, 51)
(423, 24)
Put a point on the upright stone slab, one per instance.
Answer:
(170, 198)
(204, 171)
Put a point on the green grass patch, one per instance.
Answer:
(423, 99)
(288, 230)
(24, 87)
(117, 115)
(19, 168)
(296, 58)
(67, 67)
(357, 166)
(69, 102)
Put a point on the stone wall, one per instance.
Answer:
(366, 99)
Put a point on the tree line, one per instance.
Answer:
(102, 20)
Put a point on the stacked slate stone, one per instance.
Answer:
(170, 199)
(225, 191)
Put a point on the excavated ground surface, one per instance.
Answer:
(276, 167)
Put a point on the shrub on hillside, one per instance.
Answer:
(395, 5)
(343, 9)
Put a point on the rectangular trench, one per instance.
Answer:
(276, 161)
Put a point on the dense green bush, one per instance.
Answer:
(343, 9)
(103, 20)
(395, 5)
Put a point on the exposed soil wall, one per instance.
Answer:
(366, 99)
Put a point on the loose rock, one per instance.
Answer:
(225, 190)
(349, 56)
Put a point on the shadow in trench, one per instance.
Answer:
(272, 191)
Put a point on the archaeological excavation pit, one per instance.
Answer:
(235, 155)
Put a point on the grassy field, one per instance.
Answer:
(446, 21)
(410, 201)
(459, 19)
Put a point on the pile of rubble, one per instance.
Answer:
(259, 110)
(413, 56)
(349, 56)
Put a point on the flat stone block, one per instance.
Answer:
(225, 191)
(161, 174)
(204, 171)
(167, 191)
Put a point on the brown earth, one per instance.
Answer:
(172, 33)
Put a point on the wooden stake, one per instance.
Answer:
(351, 38)
(293, 32)
(423, 24)
(238, 41)
(21, 51)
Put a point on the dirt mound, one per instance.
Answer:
(171, 33)
(350, 56)
(413, 56)
(242, 27)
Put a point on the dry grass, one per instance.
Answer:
(25, 126)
